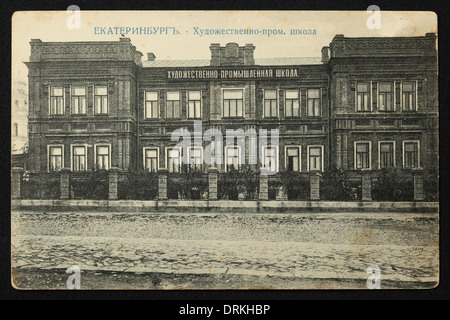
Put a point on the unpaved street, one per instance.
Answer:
(215, 251)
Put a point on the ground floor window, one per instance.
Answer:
(233, 158)
(55, 158)
(387, 155)
(270, 158)
(102, 157)
(315, 158)
(411, 158)
(173, 160)
(79, 158)
(293, 160)
(195, 158)
(362, 155)
(151, 159)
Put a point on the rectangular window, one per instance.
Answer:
(292, 103)
(293, 159)
(270, 104)
(363, 97)
(102, 157)
(101, 100)
(78, 96)
(195, 104)
(151, 159)
(313, 96)
(386, 96)
(56, 100)
(270, 158)
(409, 96)
(55, 158)
(387, 155)
(195, 159)
(411, 158)
(362, 155)
(79, 158)
(151, 105)
(233, 158)
(173, 160)
(233, 103)
(315, 158)
(173, 107)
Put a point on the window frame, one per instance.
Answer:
(322, 150)
(276, 100)
(356, 155)
(102, 106)
(239, 156)
(72, 96)
(63, 106)
(319, 101)
(404, 153)
(144, 159)
(292, 107)
(109, 154)
(200, 165)
(49, 155)
(237, 105)
(189, 116)
(152, 101)
(415, 100)
(180, 157)
(380, 93)
(172, 102)
(286, 163)
(277, 158)
(72, 154)
(369, 93)
(394, 159)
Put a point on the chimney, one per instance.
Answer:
(151, 56)
(325, 55)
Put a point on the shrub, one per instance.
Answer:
(295, 184)
(90, 185)
(393, 185)
(190, 183)
(234, 182)
(41, 186)
(139, 185)
(336, 186)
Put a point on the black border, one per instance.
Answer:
(8, 293)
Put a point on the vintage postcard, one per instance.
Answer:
(156, 150)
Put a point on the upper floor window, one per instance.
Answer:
(103, 156)
(233, 103)
(363, 154)
(293, 160)
(386, 96)
(409, 96)
(270, 104)
(55, 158)
(101, 100)
(411, 157)
(78, 158)
(151, 159)
(151, 105)
(173, 107)
(56, 100)
(313, 102)
(195, 104)
(363, 97)
(292, 103)
(78, 95)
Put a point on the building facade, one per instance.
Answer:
(365, 104)
(19, 118)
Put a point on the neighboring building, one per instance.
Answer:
(19, 118)
(367, 103)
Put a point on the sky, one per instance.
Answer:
(52, 26)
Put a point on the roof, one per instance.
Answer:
(207, 63)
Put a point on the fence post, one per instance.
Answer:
(213, 180)
(264, 185)
(64, 186)
(366, 185)
(419, 194)
(16, 181)
(162, 184)
(314, 184)
(113, 182)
